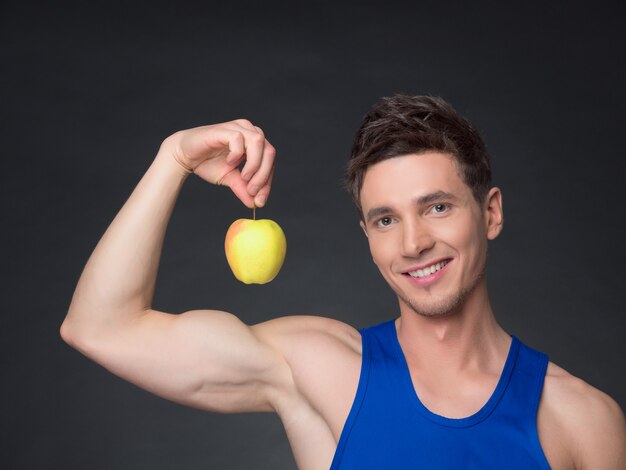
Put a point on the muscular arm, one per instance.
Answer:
(580, 427)
(207, 359)
(606, 433)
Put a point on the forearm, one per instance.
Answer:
(119, 278)
(110, 318)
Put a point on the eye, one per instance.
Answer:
(383, 222)
(439, 208)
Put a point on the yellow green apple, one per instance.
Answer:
(255, 250)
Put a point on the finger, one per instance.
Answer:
(245, 124)
(255, 144)
(237, 124)
(236, 148)
(216, 140)
(261, 198)
(267, 164)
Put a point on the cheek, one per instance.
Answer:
(471, 242)
(463, 235)
(457, 235)
(381, 248)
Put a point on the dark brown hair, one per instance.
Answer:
(402, 125)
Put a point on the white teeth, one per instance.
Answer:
(428, 270)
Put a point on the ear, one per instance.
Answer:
(494, 217)
(363, 227)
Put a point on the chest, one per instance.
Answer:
(489, 422)
(451, 396)
(445, 418)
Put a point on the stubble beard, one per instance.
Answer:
(445, 306)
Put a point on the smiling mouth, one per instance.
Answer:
(428, 270)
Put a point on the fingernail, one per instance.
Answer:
(260, 200)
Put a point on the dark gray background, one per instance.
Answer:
(89, 92)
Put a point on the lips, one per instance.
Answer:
(427, 273)
(429, 269)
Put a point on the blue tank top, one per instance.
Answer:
(389, 428)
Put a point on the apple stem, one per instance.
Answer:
(254, 213)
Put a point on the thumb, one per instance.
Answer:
(238, 185)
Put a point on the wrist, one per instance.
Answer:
(185, 168)
(169, 151)
(168, 163)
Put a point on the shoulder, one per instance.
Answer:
(324, 358)
(589, 424)
(319, 351)
(291, 334)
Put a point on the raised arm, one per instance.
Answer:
(208, 359)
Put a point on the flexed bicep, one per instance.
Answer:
(207, 359)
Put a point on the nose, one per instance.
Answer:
(416, 238)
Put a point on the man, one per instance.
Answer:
(442, 386)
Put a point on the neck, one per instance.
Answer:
(466, 338)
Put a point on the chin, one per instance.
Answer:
(434, 309)
(443, 306)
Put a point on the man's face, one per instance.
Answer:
(426, 232)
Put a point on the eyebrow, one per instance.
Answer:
(438, 196)
(420, 201)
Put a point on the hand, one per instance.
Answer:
(215, 152)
